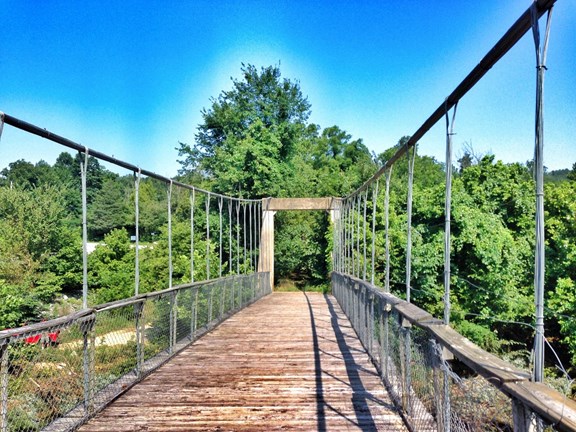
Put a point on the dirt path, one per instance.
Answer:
(113, 338)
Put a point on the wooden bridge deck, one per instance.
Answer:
(291, 361)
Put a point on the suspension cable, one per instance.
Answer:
(364, 235)
(386, 229)
(137, 177)
(374, 210)
(83, 175)
(237, 237)
(170, 265)
(259, 243)
(220, 203)
(447, 208)
(350, 236)
(250, 234)
(409, 220)
(207, 236)
(192, 203)
(230, 236)
(359, 198)
(244, 234)
(539, 264)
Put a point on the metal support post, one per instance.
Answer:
(220, 204)
(170, 264)
(441, 381)
(406, 356)
(234, 293)
(192, 202)
(195, 312)
(207, 236)
(83, 176)
(386, 230)
(371, 327)
(88, 348)
(138, 312)
(4, 376)
(447, 210)
(374, 210)
(365, 264)
(173, 318)
(387, 309)
(211, 288)
(137, 232)
(409, 220)
(358, 263)
(539, 265)
(222, 285)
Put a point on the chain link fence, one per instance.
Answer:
(439, 380)
(56, 374)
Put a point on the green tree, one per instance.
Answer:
(110, 208)
(35, 244)
(339, 163)
(250, 135)
(572, 174)
(111, 268)
(465, 161)
(24, 174)
(153, 208)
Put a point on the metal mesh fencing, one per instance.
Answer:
(435, 389)
(57, 374)
(42, 375)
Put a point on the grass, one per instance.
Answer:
(294, 285)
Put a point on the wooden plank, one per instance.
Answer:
(291, 361)
(557, 409)
(275, 204)
(494, 369)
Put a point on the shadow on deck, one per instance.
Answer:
(291, 361)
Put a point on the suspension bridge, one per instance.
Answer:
(229, 353)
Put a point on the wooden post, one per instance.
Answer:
(266, 261)
(523, 420)
(335, 223)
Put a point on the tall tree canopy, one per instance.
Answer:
(250, 134)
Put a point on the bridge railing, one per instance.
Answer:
(55, 375)
(440, 380)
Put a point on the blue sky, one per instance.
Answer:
(129, 78)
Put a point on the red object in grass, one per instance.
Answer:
(46, 339)
(33, 339)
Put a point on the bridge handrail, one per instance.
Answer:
(506, 42)
(36, 130)
(75, 316)
(74, 365)
(533, 405)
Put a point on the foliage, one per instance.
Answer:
(572, 174)
(560, 275)
(563, 302)
(255, 141)
(110, 209)
(250, 134)
(111, 268)
(492, 247)
(34, 242)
